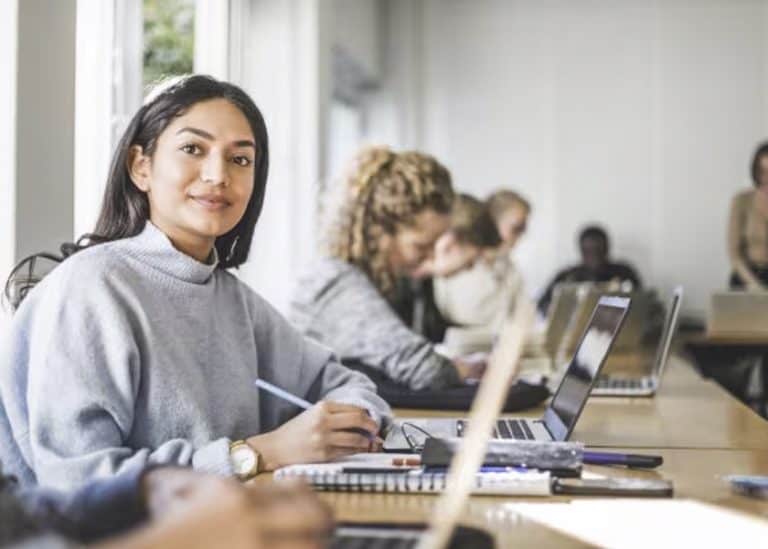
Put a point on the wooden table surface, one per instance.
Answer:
(700, 430)
(688, 412)
(697, 474)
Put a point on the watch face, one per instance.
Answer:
(243, 460)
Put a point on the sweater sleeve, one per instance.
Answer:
(356, 321)
(83, 374)
(308, 369)
(736, 227)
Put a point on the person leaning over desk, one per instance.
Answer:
(748, 229)
(471, 235)
(391, 210)
(477, 300)
(143, 348)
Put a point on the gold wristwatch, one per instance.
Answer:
(245, 460)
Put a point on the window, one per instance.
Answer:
(169, 38)
(122, 45)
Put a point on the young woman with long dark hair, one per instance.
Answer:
(143, 348)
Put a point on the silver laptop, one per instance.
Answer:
(738, 314)
(565, 302)
(645, 385)
(561, 415)
(632, 333)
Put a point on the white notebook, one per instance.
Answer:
(331, 477)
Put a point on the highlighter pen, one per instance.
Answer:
(630, 460)
(300, 402)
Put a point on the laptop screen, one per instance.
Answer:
(670, 323)
(585, 365)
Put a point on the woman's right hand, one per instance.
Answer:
(324, 432)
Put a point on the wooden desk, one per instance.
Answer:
(696, 475)
(728, 340)
(700, 430)
(688, 412)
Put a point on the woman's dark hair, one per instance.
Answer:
(761, 151)
(125, 208)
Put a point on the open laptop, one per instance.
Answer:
(565, 302)
(635, 326)
(646, 385)
(442, 531)
(561, 415)
(738, 314)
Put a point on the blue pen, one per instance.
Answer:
(282, 393)
(297, 401)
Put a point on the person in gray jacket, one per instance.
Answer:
(394, 208)
(143, 348)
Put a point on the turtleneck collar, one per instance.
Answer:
(154, 248)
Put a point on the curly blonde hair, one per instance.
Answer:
(383, 191)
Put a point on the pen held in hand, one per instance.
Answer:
(282, 393)
(301, 403)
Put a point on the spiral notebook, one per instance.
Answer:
(330, 477)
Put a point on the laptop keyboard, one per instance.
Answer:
(620, 383)
(513, 429)
(369, 542)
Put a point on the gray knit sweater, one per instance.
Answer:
(131, 352)
(336, 304)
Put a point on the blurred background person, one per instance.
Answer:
(596, 266)
(394, 207)
(748, 229)
(476, 301)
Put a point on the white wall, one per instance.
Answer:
(355, 30)
(285, 68)
(45, 124)
(639, 115)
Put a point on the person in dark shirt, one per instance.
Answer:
(596, 266)
(171, 507)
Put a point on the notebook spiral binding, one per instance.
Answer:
(421, 482)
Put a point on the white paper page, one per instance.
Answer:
(377, 460)
(643, 523)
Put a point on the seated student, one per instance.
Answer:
(748, 229)
(471, 234)
(176, 504)
(143, 348)
(596, 266)
(393, 209)
(476, 301)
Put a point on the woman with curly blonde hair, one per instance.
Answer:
(394, 208)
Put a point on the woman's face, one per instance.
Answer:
(414, 244)
(511, 225)
(200, 178)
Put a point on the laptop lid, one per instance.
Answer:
(667, 334)
(502, 367)
(588, 358)
(565, 302)
(738, 314)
